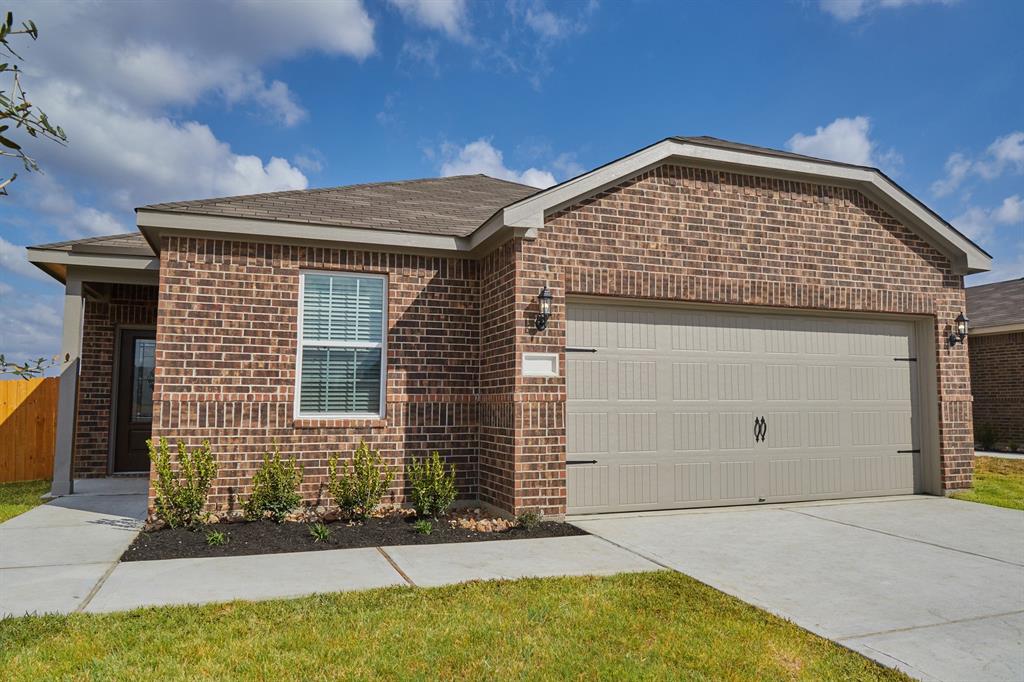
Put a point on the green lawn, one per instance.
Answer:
(997, 481)
(17, 498)
(632, 626)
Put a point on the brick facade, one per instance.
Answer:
(107, 309)
(227, 329)
(226, 353)
(997, 365)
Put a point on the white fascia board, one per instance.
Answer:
(967, 257)
(158, 222)
(997, 329)
(72, 259)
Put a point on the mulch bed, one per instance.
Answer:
(267, 537)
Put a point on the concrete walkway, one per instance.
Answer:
(929, 585)
(1000, 455)
(62, 557)
(52, 557)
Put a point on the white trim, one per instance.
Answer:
(154, 223)
(996, 329)
(383, 346)
(95, 260)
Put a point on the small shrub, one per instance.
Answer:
(216, 538)
(986, 435)
(275, 489)
(528, 520)
(359, 484)
(181, 494)
(423, 526)
(432, 488)
(319, 532)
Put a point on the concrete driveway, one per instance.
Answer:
(929, 585)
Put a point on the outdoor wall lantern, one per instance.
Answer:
(959, 332)
(544, 299)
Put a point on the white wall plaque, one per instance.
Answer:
(540, 364)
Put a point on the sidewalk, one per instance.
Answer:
(53, 556)
(62, 557)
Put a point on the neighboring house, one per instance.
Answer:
(996, 349)
(728, 325)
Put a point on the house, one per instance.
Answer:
(698, 323)
(996, 351)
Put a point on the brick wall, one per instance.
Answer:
(107, 309)
(997, 368)
(226, 354)
(687, 234)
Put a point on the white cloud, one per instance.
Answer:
(420, 51)
(845, 139)
(152, 54)
(1010, 211)
(481, 157)
(1006, 153)
(310, 161)
(12, 259)
(849, 10)
(957, 167)
(980, 223)
(29, 326)
(148, 158)
(448, 16)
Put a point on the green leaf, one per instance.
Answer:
(10, 144)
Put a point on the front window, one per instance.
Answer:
(341, 345)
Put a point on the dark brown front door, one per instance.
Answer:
(134, 400)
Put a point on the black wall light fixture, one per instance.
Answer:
(960, 330)
(544, 299)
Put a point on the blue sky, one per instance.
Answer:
(165, 101)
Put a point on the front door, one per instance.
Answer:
(134, 408)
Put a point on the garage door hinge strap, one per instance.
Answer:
(902, 452)
(581, 461)
(573, 349)
(905, 359)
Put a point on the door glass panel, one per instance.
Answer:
(142, 380)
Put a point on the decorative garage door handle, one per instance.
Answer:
(760, 428)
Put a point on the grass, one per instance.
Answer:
(997, 481)
(18, 498)
(661, 625)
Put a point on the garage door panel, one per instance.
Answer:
(587, 379)
(586, 434)
(690, 381)
(667, 407)
(637, 380)
(692, 482)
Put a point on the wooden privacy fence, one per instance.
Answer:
(28, 428)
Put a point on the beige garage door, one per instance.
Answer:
(689, 408)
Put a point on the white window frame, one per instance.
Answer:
(383, 345)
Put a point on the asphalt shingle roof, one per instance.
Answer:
(453, 206)
(996, 304)
(104, 244)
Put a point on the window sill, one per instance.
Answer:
(339, 422)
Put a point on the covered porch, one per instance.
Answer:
(107, 360)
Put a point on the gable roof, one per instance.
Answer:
(465, 213)
(707, 152)
(999, 304)
(453, 206)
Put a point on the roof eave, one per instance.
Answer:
(57, 263)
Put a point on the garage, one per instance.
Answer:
(690, 407)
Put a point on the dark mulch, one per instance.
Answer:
(266, 537)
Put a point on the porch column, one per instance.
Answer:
(71, 351)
